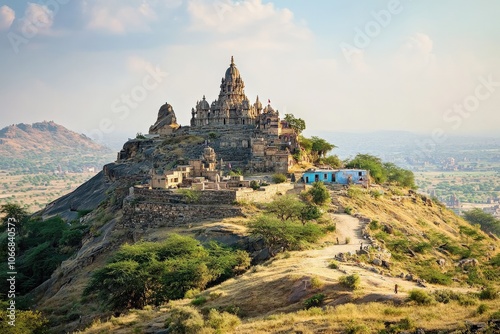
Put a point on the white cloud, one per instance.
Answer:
(37, 19)
(118, 17)
(7, 16)
(262, 25)
(416, 54)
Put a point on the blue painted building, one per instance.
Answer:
(337, 176)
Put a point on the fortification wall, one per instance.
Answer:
(266, 194)
(205, 197)
(143, 215)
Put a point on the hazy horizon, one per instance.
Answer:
(105, 68)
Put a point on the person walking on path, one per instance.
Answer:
(395, 288)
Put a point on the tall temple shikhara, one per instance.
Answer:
(247, 134)
(232, 106)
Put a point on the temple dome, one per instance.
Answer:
(232, 72)
(204, 104)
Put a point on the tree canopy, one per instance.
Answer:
(298, 124)
(487, 221)
(155, 272)
(383, 172)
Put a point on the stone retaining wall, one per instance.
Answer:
(143, 215)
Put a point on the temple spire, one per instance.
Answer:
(232, 60)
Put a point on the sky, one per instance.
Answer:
(104, 67)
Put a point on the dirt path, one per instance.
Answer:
(316, 262)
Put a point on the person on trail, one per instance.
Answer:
(396, 288)
(338, 243)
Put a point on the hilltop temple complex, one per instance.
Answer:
(244, 134)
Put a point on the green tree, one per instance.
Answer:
(309, 212)
(332, 160)
(14, 211)
(318, 193)
(297, 124)
(400, 176)
(305, 143)
(155, 272)
(320, 146)
(370, 163)
(286, 207)
(288, 235)
(487, 221)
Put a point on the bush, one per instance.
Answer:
(374, 225)
(316, 282)
(184, 320)
(314, 301)
(154, 272)
(351, 281)
(348, 210)
(333, 264)
(488, 293)
(200, 300)
(482, 308)
(286, 234)
(319, 194)
(254, 185)
(279, 178)
(222, 322)
(445, 296)
(420, 297)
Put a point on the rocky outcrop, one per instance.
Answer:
(166, 121)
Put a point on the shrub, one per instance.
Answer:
(467, 300)
(316, 282)
(420, 297)
(351, 281)
(279, 178)
(314, 301)
(184, 319)
(482, 308)
(347, 240)
(445, 296)
(356, 328)
(192, 293)
(319, 194)
(374, 225)
(222, 322)
(422, 247)
(286, 234)
(333, 264)
(200, 300)
(254, 185)
(488, 293)
(348, 210)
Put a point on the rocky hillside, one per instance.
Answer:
(413, 242)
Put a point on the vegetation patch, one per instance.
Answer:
(155, 272)
(314, 301)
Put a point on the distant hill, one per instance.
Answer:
(42, 146)
(20, 139)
